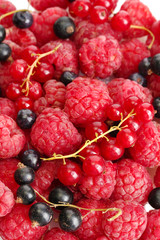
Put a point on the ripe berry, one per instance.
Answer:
(145, 112)
(35, 90)
(99, 14)
(13, 91)
(95, 129)
(155, 64)
(105, 3)
(40, 214)
(126, 138)
(80, 8)
(44, 72)
(18, 69)
(121, 21)
(114, 112)
(131, 103)
(154, 198)
(23, 19)
(144, 66)
(70, 219)
(24, 103)
(156, 105)
(5, 51)
(25, 118)
(26, 194)
(64, 27)
(67, 77)
(29, 53)
(91, 149)
(93, 165)
(24, 175)
(31, 158)
(61, 194)
(138, 78)
(2, 33)
(132, 123)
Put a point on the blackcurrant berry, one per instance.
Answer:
(138, 78)
(31, 158)
(24, 175)
(70, 219)
(67, 77)
(64, 27)
(23, 19)
(25, 118)
(40, 214)
(61, 194)
(144, 66)
(154, 198)
(155, 64)
(5, 51)
(156, 105)
(26, 194)
(2, 33)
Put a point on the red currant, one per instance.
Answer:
(99, 14)
(24, 103)
(114, 112)
(121, 21)
(13, 91)
(131, 102)
(91, 149)
(80, 8)
(126, 138)
(105, 3)
(35, 90)
(145, 112)
(29, 54)
(43, 72)
(18, 70)
(93, 165)
(132, 123)
(95, 128)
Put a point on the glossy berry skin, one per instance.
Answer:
(64, 27)
(31, 158)
(24, 103)
(67, 77)
(23, 19)
(70, 219)
(121, 21)
(18, 69)
(69, 174)
(26, 194)
(126, 138)
(131, 103)
(154, 198)
(95, 129)
(105, 3)
(138, 78)
(2, 33)
(24, 175)
(133, 124)
(156, 105)
(29, 53)
(99, 15)
(44, 72)
(35, 90)
(40, 214)
(25, 118)
(5, 51)
(114, 112)
(13, 91)
(93, 165)
(91, 149)
(61, 194)
(155, 64)
(145, 112)
(144, 66)
(80, 8)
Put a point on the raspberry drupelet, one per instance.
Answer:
(58, 234)
(7, 107)
(42, 5)
(5, 7)
(153, 83)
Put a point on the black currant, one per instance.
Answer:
(67, 77)
(154, 198)
(70, 219)
(24, 175)
(26, 194)
(5, 51)
(40, 214)
(2, 33)
(61, 194)
(155, 64)
(138, 78)
(145, 66)
(31, 158)
(25, 118)
(64, 27)
(23, 19)
(156, 105)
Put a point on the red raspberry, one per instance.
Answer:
(12, 138)
(5, 7)
(140, 15)
(40, 105)
(54, 133)
(95, 64)
(120, 89)
(7, 107)
(102, 238)
(86, 100)
(58, 234)
(17, 225)
(100, 186)
(64, 59)
(16, 49)
(157, 177)
(5, 76)
(130, 225)
(152, 231)
(6, 200)
(133, 51)
(155, 29)
(146, 150)
(133, 182)
(153, 83)
(42, 5)
(87, 230)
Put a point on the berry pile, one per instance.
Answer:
(79, 109)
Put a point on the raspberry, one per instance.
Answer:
(5, 76)
(5, 7)
(86, 100)
(87, 230)
(40, 105)
(16, 49)
(58, 234)
(146, 150)
(6, 200)
(155, 29)
(12, 138)
(7, 107)
(42, 5)
(64, 59)
(130, 225)
(133, 182)
(100, 186)
(17, 225)
(152, 231)
(140, 15)
(95, 64)
(157, 177)
(153, 83)
(54, 133)
(120, 89)
(133, 51)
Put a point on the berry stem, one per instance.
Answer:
(119, 211)
(12, 12)
(147, 30)
(88, 142)
(26, 81)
